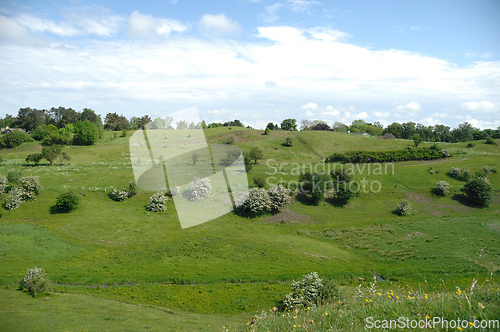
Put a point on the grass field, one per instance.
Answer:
(115, 266)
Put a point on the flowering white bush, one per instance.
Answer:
(157, 202)
(3, 184)
(306, 292)
(403, 208)
(175, 190)
(441, 188)
(15, 198)
(118, 195)
(445, 153)
(279, 197)
(455, 172)
(199, 189)
(256, 202)
(34, 281)
(31, 186)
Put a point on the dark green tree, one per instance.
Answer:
(51, 153)
(256, 154)
(86, 133)
(289, 124)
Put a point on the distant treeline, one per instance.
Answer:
(410, 153)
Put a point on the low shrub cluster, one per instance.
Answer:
(310, 292)
(407, 154)
(403, 208)
(442, 188)
(29, 188)
(3, 184)
(34, 281)
(157, 202)
(199, 189)
(67, 201)
(261, 201)
(14, 139)
(121, 195)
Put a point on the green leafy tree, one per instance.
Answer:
(256, 154)
(417, 139)
(248, 161)
(267, 131)
(86, 133)
(67, 201)
(34, 158)
(289, 124)
(51, 153)
(479, 191)
(394, 128)
(14, 139)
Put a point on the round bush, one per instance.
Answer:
(305, 293)
(15, 198)
(3, 184)
(67, 201)
(199, 189)
(34, 281)
(14, 176)
(479, 191)
(403, 208)
(455, 172)
(279, 197)
(256, 202)
(157, 202)
(441, 188)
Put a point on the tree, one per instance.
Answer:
(182, 124)
(248, 161)
(289, 124)
(479, 191)
(395, 129)
(321, 126)
(116, 122)
(407, 130)
(256, 154)
(358, 126)
(51, 153)
(88, 114)
(271, 126)
(417, 139)
(340, 127)
(463, 133)
(34, 158)
(86, 133)
(14, 139)
(29, 118)
(144, 121)
(305, 124)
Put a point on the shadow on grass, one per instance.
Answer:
(337, 202)
(464, 200)
(54, 210)
(304, 199)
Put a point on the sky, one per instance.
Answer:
(431, 62)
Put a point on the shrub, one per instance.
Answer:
(124, 133)
(466, 175)
(248, 161)
(490, 140)
(455, 172)
(14, 176)
(64, 156)
(257, 202)
(14, 199)
(441, 188)
(34, 158)
(3, 184)
(279, 197)
(403, 208)
(199, 189)
(259, 182)
(132, 189)
(305, 293)
(118, 195)
(34, 281)
(470, 145)
(488, 169)
(288, 142)
(174, 191)
(410, 153)
(267, 131)
(493, 169)
(86, 133)
(343, 195)
(157, 202)
(479, 191)
(51, 153)
(341, 176)
(30, 186)
(67, 201)
(14, 139)
(256, 154)
(445, 153)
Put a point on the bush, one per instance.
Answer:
(67, 201)
(199, 189)
(3, 184)
(174, 191)
(441, 188)
(410, 153)
(14, 176)
(466, 175)
(490, 140)
(34, 281)
(86, 133)
(118, 195)
(445, 153)
(124, 133)
(470, 145)
(30, 186)
(14, 139)
(288, 142)
(257, 202)
(455, 172)
(267, 131)
(157, 202)
(479, 191)
(493, 169)
(132, 189)
(248, 161)
(307, 292)
(259, 182)
(403, 208)
(14, 199)
(34, 158)
(279, 197)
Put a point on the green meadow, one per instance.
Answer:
(115, 266)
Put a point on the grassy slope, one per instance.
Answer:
(441, 240)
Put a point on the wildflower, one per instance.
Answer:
(480, 305)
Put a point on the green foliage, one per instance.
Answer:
(157, 202)
(470, 145)
(132, 189)
(118, 195)
(403, 208)
(267, 131)
(259, 181)
(248, 161)
(195, 157)
(51, 153)
(279, 196)
(386, 156)
(288, 142)
(14, 139)
(64, 156)
(67, 201)
(256, 154)
(257, 202)
(479, 191)
(442, 188)
(310, 292)
(14, 199)
(34, 158)
(30, 186)
(455, 172)
(124, 133)
(14, 176)
(289, 124)
(490, 140)
(3, 184)
(34, 281)
(55, 138)
(417, 139)
(86, 133)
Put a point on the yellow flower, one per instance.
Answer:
(460, 328)
(294, 325)
(471, 324)
(427, 316)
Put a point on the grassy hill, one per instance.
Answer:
(112, 256)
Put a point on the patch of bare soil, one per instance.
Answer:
(460, 208)
(287, 215)
(419, 199)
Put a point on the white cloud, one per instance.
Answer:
(309, 114)
(430, 121)
(441, 115)
(327, 34)
(140, 25)
(270, 15)
(11, 29)
(40, 25)
(381, 114)
(330, 112)
(300, 5)
(409, 109)
(309, 106)
(485, 106)
(95, 20)
(271, 84)
(218, 24)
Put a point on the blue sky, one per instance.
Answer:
(258, 61)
